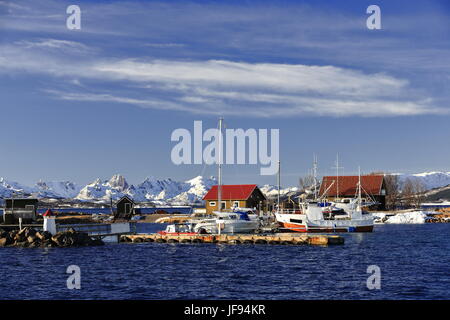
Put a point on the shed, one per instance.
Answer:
(15, 208)
(124, 208)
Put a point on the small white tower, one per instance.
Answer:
(49, 222)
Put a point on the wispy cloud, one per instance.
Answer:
(218, 58)
(54, 44)
(222, 87)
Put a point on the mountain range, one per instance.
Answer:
(160, 191)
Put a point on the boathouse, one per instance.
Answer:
(346, 187)
(124, 208)
(242, 195)
(15, 208)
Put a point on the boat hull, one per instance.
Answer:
(292, 227)
(300, 223)
(228, 227)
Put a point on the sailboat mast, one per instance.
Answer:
(359, 188)
(337, 176)
(219, 187)
(279, 184)
(315, 176)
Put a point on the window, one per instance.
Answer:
(127, 208)
(212, 203)
(236, 204)
(296, 220)
(223, 205)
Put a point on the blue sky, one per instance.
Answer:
(82, 104)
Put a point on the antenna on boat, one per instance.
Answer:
(219, 186)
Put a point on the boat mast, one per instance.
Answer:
(219, 187)
(359, 189)
(279, 183)
(315, 175)
(337, 175)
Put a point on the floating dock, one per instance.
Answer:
(285, 239)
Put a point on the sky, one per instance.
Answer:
(80, 104)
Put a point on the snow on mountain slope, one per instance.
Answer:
(8, 187)
(162, 191)
(195, 189)
(115, 188)
(56, 189)
(152, 189)
(272, 191)
(430, 180)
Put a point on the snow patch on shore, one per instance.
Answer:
(413, 217)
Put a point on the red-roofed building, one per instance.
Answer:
(373, 186)
(240, 195)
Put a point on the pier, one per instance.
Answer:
(284, 239)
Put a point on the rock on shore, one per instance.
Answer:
(30, 238)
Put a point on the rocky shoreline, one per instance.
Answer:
(30, 238)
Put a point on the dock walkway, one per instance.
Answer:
(292, 239)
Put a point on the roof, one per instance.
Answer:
(232, 192)
(125, 198)
(371, 185)
(48, 213)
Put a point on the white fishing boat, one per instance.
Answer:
(321, 216)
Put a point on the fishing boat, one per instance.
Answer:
(316, 218)
(322, 216)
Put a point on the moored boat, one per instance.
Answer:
(322, 216)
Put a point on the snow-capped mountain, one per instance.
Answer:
(56, 189)
(271, 191)
(162, 191)
(115, 188)
(430, 180)
(7, 188)
(195, 189)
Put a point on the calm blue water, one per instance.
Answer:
(414, 262)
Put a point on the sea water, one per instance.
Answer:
(413, 261)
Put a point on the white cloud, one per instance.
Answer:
(219, 86)
(54, 44)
